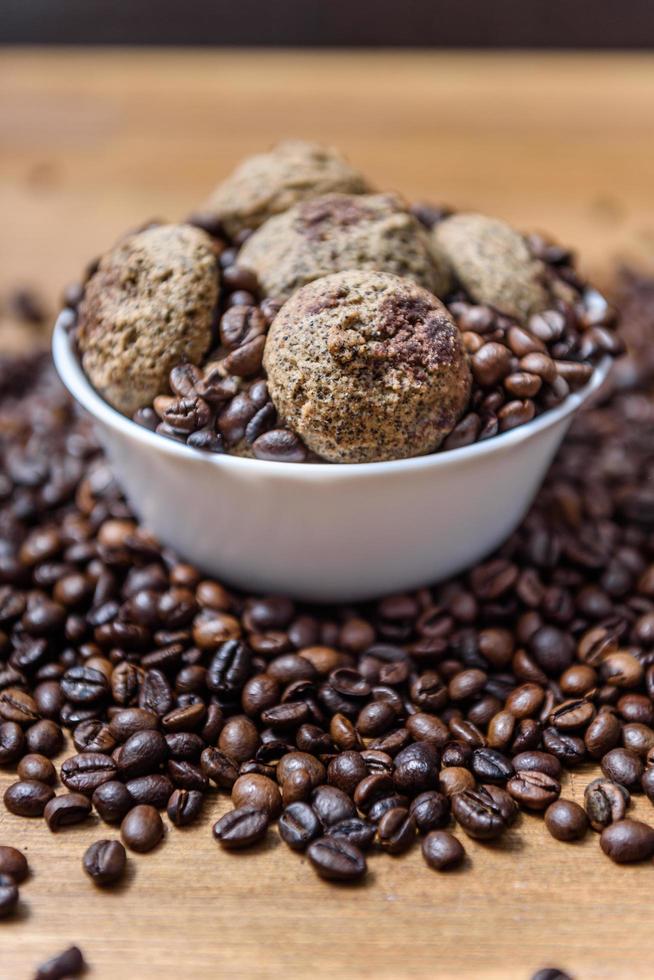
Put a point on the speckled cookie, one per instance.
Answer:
(338, 232)
(367, 366)
(269, 183)
(492, 262)
(149, 306)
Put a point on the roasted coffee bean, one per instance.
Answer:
(184, 746)
(336, 859)
(187, 775)
(142, 829)
(13, 863)
(63, 811)
(478, 814)
(551, 973)
(359, 832)
(44, 738)
(105, 862)
(219, 767)
(37, 767)
(299, 825)
(68, 964)
(455, 779)
(647, 783)
(113, 801)
(566, 820)
(241, 828)
(346, 771)
(605, 802)
(396, 830)
(332, 805)
(94, 736)
(533, 790)
(239, 738)
(28, 797)
(18, 706)
(372, 788)
(491, 766)
(84, 685)
(430, 810)
(568, 749)
(85, 772)
(536, 761)
(415, 768)
(627, 841)
(602, 734)
(128, 721)
(255, 792)
(8, 895)
(442, 851)
(154, 790)
(142, 753)
(184, 806)
(624, 767)
(12, 743)
(503, 801)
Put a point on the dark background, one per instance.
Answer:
(442, 23)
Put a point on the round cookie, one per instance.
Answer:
(149, 306)
(338, 232)
(492, 262)
(269, 183)
(367, 366)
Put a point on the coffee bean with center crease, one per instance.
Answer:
(18, 706)
(359, 832)
(8, 895)
(28, 797)
(627, 841)
(105, 862)
(396, 830)
(533, 790)
(491, 766)
(569, 749)
(63, 811)
(336, 859)
(624, 767)
(566, 820)
(142, 829)
(536, 761)
(298, 826)
(219, 767)
(430, 810)
(85, 772)
(12, 742)
(112, 800)
(605, 802)
(442, 851)
(68, 964)
(478, 814)
(13, 863)
(84, 685)
(184, 806)
(94, 736)
(241, 828)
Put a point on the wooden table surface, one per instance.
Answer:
(94, 142)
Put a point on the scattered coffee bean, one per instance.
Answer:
(605, 802)
(626, 841)
(336, 859)
(105, 862)
(13, 863)
(28, 797)
(70, 963)
(142, 828)
(299, 825)
(566, 820)
(184, 806)
(8, 895)
(241, 828)
(63, 811)
(442, 851)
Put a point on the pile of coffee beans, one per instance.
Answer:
(519, 370)
(353, 728)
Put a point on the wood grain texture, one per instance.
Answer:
(95, 142)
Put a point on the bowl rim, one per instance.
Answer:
(71, 374)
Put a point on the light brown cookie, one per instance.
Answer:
(492, 262)
(149, 306)
(338, 232)
(269, 183)
(367, 366)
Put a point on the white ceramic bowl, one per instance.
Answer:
(326, 532)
